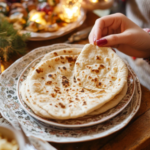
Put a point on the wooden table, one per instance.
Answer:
(136, 135)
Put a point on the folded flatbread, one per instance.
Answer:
(57, 88)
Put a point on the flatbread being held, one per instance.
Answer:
(101, 69)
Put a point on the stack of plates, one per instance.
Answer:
(99, 125)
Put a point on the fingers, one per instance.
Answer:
(92, 36)
(112, 40)
(105, 26)
(108, 31)
(118, 31)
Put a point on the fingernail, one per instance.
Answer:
(101, 42)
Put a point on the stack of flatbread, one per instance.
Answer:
(72, 83)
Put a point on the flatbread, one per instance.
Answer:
(27, 99)
(101, 69)
(112, 103)
(26, 94)
(52, 91)
(60, 52)
(25, 91)
(36, 108)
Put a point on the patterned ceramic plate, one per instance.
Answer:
(79, 122)
(9, 103)
(39, 36)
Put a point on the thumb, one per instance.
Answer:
(112, 40)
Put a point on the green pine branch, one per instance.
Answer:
(10, 40)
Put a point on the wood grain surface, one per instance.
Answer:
(135, 136)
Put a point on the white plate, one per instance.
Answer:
(40, 36)
(79, 122)
(9, 102)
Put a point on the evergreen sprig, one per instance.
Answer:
(10, 40)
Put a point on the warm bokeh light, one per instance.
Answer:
(70, 10)
(94, 1)
(2, 68)
(38, 17)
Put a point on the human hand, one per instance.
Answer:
(119, 32)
